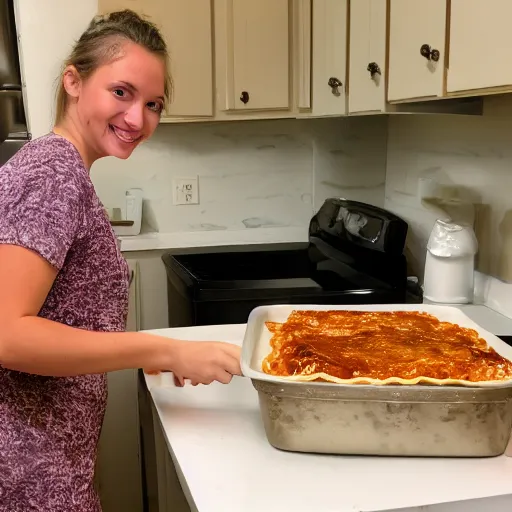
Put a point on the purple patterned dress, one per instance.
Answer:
(49, 426)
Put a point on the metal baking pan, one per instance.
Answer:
(392, 420)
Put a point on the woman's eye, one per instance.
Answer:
(155, 106)
(119, 92)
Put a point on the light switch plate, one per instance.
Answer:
(185, 191)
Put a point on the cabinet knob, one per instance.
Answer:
(244, 97)
(374, 69)
(429, 53)
(334, 83)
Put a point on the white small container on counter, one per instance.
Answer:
(131, 225)
(450, 263)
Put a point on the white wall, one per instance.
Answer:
(47, 30)
(252, 174)
(473, 157)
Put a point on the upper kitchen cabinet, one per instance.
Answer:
(187, 28)
(368, 56)
(369, 70)
(417, 43)
(329, 57)
(253, 55)
(480, 46)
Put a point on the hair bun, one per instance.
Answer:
(115, 20)
(99, 19)
(124, 16)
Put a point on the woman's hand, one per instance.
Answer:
(203, 362)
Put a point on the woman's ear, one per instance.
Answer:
(72, 81)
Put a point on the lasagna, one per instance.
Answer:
(399, 347)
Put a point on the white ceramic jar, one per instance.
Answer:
(450, 263)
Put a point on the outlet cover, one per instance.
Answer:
(185, 191)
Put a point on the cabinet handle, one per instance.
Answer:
(374, 69)
(244, 97)
(429, 53)
(334, 83)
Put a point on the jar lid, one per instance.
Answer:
(449, 239)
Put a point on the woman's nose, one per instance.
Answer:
(134, 116)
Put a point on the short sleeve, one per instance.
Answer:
(39, 209)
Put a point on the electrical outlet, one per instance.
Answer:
(185, 191)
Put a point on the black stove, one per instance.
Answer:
(506, 338)
(354, 255)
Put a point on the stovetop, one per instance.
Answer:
(353, 248)
(506, 338)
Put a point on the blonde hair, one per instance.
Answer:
(102, 42)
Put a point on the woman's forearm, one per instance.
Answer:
(39, 346)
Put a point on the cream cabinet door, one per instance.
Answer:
(417, 34)
(187, 28)
(367, 71)
(480, 45)
(253, 52)
(329, 57)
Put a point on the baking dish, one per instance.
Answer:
(410, 420)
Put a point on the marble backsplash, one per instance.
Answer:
(253, 174)
(471, 157)
(276, 173)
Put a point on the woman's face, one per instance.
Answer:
(120, 104)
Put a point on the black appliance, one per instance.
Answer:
(354, 255)
(14, 132)
(506, 338)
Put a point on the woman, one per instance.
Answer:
(64, 283)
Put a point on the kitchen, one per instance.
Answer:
(261, 177)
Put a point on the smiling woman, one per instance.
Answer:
(115, 83)
(64, 292)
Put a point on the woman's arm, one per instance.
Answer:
(40, 346)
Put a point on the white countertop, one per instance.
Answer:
(490, 320)
(180, 240)
(225, 463)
